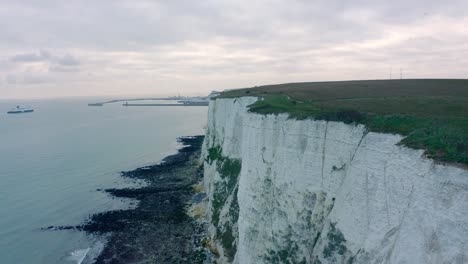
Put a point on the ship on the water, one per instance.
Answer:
(18, 110)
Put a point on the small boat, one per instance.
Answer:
(18, 110)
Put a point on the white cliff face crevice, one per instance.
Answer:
(326, 192)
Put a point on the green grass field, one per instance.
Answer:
(431, 113)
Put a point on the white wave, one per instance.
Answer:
(79, 255)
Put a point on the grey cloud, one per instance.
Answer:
(45, 56)
(55, 63)
(31, 57)
(10, 79)
(239, 38)
(28, 78)
(36, 79)
(61, 68)
(136, 24)
(38, 68)
(67, 60)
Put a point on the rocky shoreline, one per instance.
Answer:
(158, 230)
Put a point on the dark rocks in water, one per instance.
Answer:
(54, 228)
(158, 230)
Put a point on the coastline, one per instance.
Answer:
(158, 229)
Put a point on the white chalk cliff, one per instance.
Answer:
(326, 192)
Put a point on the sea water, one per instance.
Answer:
(54, 161)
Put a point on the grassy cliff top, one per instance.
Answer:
(431, 113)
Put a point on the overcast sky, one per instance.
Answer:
(60, 48)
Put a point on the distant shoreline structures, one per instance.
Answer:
(182, 101)
(135, 99)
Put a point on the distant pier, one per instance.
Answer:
(183, 101)
(135, 99)
(184, 104)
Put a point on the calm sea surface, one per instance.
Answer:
(53, 160)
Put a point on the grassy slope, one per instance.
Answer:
(432, 114)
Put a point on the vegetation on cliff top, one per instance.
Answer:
(432, 114)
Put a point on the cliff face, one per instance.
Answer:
(282, 190)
